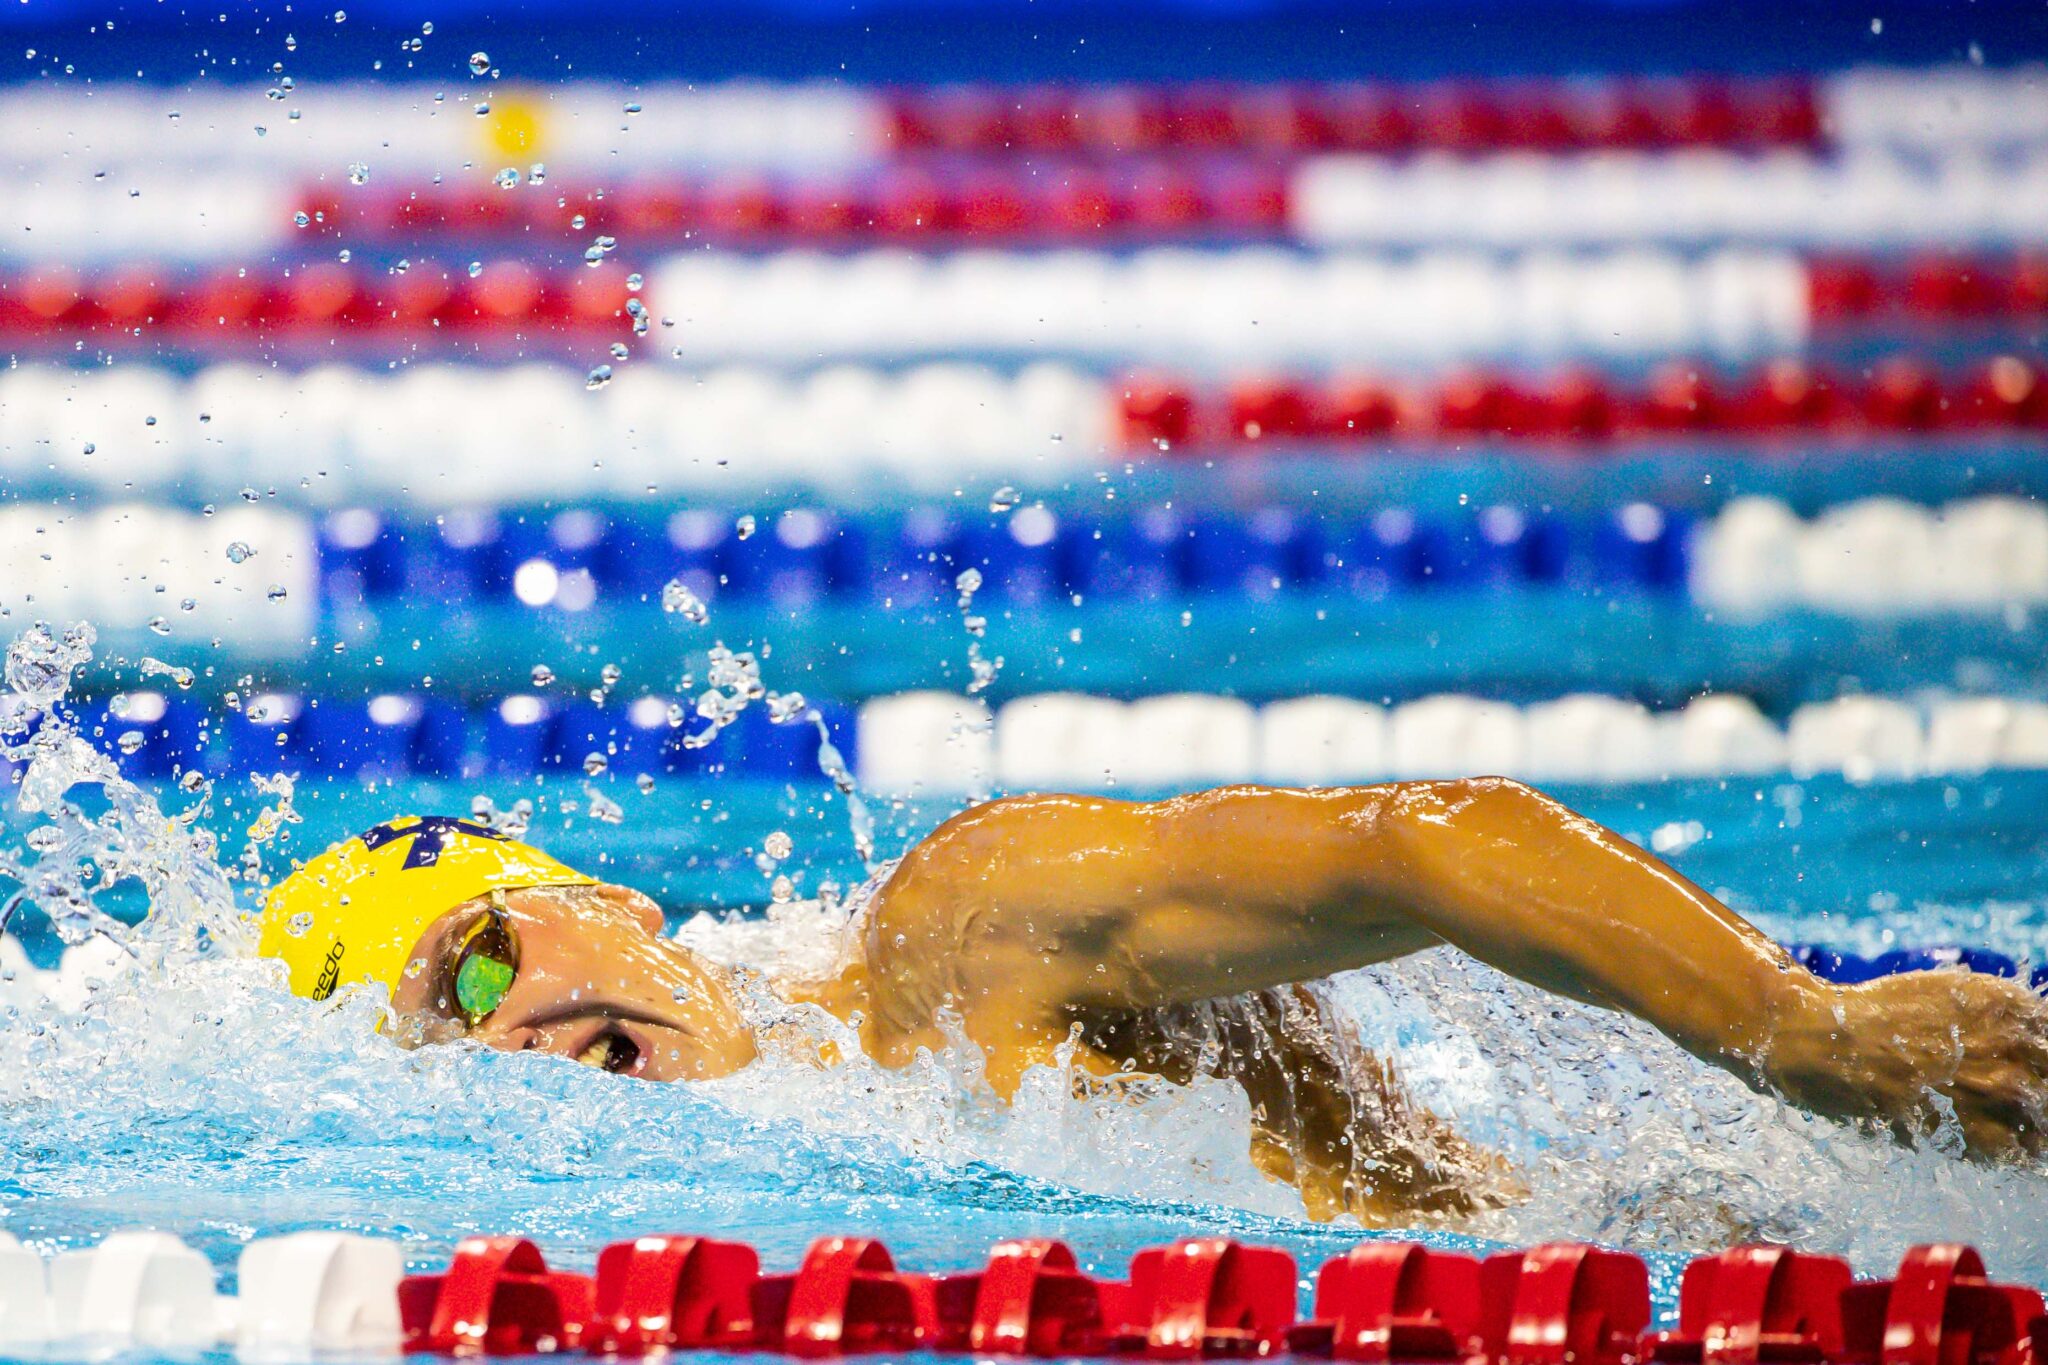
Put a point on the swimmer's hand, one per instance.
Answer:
(1921, 1052)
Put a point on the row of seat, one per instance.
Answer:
(1901, 394)
(452, 434)
(1244, 306)
(444, 433)
(1458, 116)
(258, 575)
(576, 123)
(1238, 306)
(1930, 287)
(423, 128)
(945, 205)
(390, 735)
(234, 306)
(943, 743)
(916, 204)
(928, 741)
(1874, 557)
(1860, 199)
(248, 575)
(1198, 1298)
(1031, 555)
(1873, 200)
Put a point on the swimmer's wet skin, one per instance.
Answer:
(1036, 917)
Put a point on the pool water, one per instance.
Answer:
(197, 1098)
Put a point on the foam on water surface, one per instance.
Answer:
(188, 1091)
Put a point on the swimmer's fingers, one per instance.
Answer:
(2001, 1086)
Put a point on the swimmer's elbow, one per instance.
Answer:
(1440, 800)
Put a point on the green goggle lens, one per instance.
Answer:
(481, 984)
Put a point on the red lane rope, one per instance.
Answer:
(1210, 1297)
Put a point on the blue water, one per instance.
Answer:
(210, 1105)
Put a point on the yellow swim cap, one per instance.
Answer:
(354, 913)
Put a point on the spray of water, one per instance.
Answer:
(189, 1090)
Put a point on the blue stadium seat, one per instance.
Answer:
(788, 563)
(467, 556)
(367, 737)
(1376, 555)
(515, 735)
(790, 750)
(262, 736)
(633, 736)
(692, 547)
(920, 560)
(1136, 558)
(1020, 556)
(175, 732)
(362, 557)
(446, 744)
(1643, 546)
(1554, 550)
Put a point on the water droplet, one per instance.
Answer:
(542, 675)
(598, 377)
(476, 268)
(682, 995)
(777, 845)
(428, 28)
(291, 43)
(483, 108)
(159, 625)
(276, 592)
(1003, 499)
(595, 763)
(609, 675)
(782, 891)
(744, 527)
(192, 782)
(633, 108)
(645, 782)
(578, 222)
(298, 925)
(358, 172)
(240, 552)
(302, 218)
(677, 598)
(635, 282)
(620, 350)
(130, 741)
(507, 179)
(189, 604)
(479, 63)
(341, 16)
(90, 447)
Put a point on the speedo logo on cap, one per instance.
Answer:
(330, 971)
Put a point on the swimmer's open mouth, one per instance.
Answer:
(611, 1051)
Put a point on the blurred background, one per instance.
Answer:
(530, 402)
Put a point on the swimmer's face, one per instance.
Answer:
(580, 971)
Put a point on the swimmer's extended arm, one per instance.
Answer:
(1030, 907)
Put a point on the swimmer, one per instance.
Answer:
(1182, 937)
